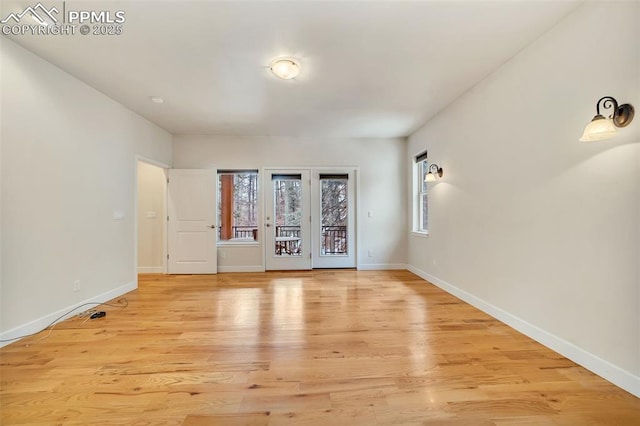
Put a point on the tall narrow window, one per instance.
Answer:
(238, 205)
(421, 221)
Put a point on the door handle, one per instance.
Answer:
(212, 226)
(267, 225)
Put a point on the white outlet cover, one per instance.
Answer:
(151, 215)
(118, 215)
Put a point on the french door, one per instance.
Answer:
(333, 218)
(287, 226)
(309, 218)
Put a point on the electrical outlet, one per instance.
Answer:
(76, 285)
(223, 254)
(370, 253)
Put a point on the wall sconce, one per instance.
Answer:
(433, 171)
(602, 128)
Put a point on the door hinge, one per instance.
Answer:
(167, 218)
(167, 256)
(167, 181)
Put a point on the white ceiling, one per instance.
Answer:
(369, 69)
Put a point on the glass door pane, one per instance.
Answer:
(334, 209)
(287, 220)
(287, 214)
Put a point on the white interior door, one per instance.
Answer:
(287, 227)
(333, 218)
(192, 233)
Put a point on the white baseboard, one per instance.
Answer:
(381, 266)
(249, 268)
(41, 323)
(149, 269)
(616, 375)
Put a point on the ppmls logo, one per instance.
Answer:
(40, 20)
(39, 13)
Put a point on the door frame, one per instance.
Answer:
(164, 167)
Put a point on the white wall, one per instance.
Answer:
(68, 163)
(151, 223)
(381, 181)
(1, 237)
(528, 223)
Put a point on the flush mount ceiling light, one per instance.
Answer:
(601, 127)
(434, 171)
(285, 68)
(156, 99)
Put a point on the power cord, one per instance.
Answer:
(121, 303)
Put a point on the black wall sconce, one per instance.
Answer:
(601, 128)
(434, 171)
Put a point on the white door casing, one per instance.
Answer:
(192, 231)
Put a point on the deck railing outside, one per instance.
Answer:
(287, 231)
(333, 238)
(244, 232)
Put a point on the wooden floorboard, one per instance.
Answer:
(298, 348)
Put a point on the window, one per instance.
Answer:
(421, 216)
(238, 205)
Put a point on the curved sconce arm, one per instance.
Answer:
(607, 102)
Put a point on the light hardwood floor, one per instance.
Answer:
(321, 347)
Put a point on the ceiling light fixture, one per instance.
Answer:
(433, 171)
(156, 99)
(600, 127)
(285, 68)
